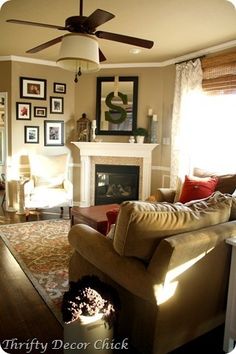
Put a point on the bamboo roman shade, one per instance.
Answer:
(219, 73)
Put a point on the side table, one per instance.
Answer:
(94, 216)
(20, 191)
(230, 320)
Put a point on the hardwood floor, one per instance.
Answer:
(24, 317)
(23, 314)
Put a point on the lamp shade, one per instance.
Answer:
(79, 52)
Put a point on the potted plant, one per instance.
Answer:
(140, 134)
(89, 311)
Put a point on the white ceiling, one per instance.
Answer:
(177, 27)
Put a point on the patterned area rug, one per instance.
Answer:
(42, 250)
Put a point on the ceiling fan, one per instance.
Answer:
(85, 25)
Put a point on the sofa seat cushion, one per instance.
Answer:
(43, 197)
(142, 225)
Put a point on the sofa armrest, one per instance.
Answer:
(182, 251)
(97, 249)
(165, 195)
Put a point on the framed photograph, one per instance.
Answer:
(31, 134)
(56, 105)
(53, 132)
(23, 110)
(33, 88)
(59, 88)
(40, 112)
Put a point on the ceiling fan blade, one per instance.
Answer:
(97, 18)
(101, 56)
(125, 39)
(22, 22)
(45, 45)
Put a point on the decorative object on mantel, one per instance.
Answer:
(140, 134)
(152, 127)
(83, 128)
(131, 139)
(93, 129)
(116, 106)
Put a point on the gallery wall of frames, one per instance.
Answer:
(31, 89)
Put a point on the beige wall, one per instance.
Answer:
(51, 74)
(18, 150)
(156, 89)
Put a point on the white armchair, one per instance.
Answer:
(48, 185)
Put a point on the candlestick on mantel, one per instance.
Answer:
(154, 117)
(94, 123)
(93, 128)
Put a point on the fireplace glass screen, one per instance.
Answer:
(115, 183)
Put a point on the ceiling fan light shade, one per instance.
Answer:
(79, 51)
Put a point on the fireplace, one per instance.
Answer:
(116, 183)
(117, 154)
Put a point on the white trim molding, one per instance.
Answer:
(196, 54)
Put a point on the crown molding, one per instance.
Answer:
(192, 55)
(28, 60)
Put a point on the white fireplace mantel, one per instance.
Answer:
(109, 149)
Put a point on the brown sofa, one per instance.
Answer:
(170, 265)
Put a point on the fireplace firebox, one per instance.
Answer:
(116, 183)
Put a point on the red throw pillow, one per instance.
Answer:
(197, 188)
(111, 217)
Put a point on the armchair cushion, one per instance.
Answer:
(48, 171)
(142, 225)
(49, 185)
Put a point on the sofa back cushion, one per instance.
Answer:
(142, 225)
(226, 183)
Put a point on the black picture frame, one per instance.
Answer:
(31, 134)
(53, 133)
(23, 110)
(56, 105)
(40, 112)
(59, 87)
(33, 88)
(122, 116)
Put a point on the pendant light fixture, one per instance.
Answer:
(79, 53)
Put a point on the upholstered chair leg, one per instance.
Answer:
(27, 214)
(70, 212)
(61, 214)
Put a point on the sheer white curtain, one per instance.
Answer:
(188, 88)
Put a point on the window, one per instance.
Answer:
(214, 133)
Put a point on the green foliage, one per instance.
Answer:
(140, 131)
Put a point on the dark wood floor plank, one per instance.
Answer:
(23, 313)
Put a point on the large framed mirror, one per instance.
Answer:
(116, 106)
